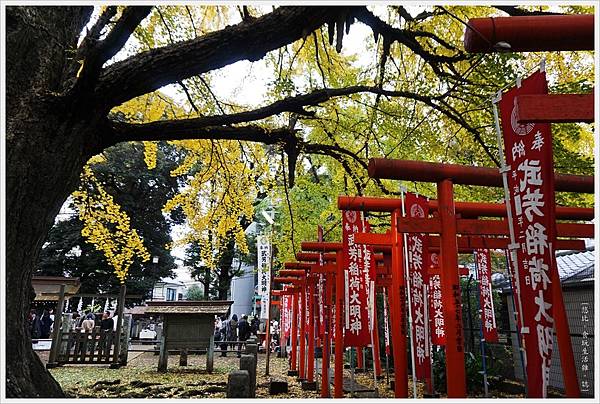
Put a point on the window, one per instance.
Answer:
(171, 294)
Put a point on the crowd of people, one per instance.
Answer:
(232, 333)
(41, 322)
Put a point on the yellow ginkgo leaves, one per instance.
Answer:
(105, 225)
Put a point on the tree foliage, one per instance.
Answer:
(409, 92)
(117, 185)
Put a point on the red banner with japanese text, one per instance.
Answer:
(286, 313)
(369, 267)
(436, 307)
(486, 298)
(356, 322)
(528, 151)
(321, 289)
(417, 247)
(386, 323)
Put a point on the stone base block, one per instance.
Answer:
(312, 386)
(238, 384)
(278, 387)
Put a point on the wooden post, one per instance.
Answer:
(455, 357)
(63, 344)
(302, 358)
(210, 353)
(163, 358)
(310, 368)
(563, 337)
(56, 332)
(120, 309)
(376, 358)
(338, 384)
(397, 312)
(125, 339)
(326, 338)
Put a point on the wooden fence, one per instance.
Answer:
(96, 346)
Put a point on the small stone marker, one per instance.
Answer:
(248, 363)
(252, 349)
(277, 386)
(183, 357)
(238, 384)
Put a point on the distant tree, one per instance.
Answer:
(194, 292)
(217, 281)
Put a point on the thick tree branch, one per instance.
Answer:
(293, 104)
(407, 37)
(408, 17)
(184, 129)
(95, 52)
(248, 40)
(132, 17)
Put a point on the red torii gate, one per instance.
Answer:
(337, 270)
(445, 175)
(329, 270)
(468, 226)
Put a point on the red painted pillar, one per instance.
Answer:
(326, 338)
(563, 338)
(338, 387)
(455, 357)
(376, 359)
(294, 331)
(310, 285)
(302, 358)
(359, 357)
(398, 313)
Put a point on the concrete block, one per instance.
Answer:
(306, 385)
(183, 357)
(278, 387)
(252, 349)
(238, 384)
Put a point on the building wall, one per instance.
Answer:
(242, 291)
(160, 291)
(575, 298)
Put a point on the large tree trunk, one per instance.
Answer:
(41, 134)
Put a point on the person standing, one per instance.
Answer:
(232, 330)
(223, 339)
(46, 324)
(107, 323)
(254, 324)
(87, 326)
(36, 325)
(243, 332)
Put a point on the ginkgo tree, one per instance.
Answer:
(420, 96)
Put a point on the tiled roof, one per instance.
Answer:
(217, 307)
(573, 267)
(576, 266)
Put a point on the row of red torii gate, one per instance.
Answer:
(328, 295)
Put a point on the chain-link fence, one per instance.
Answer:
(504, 358)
